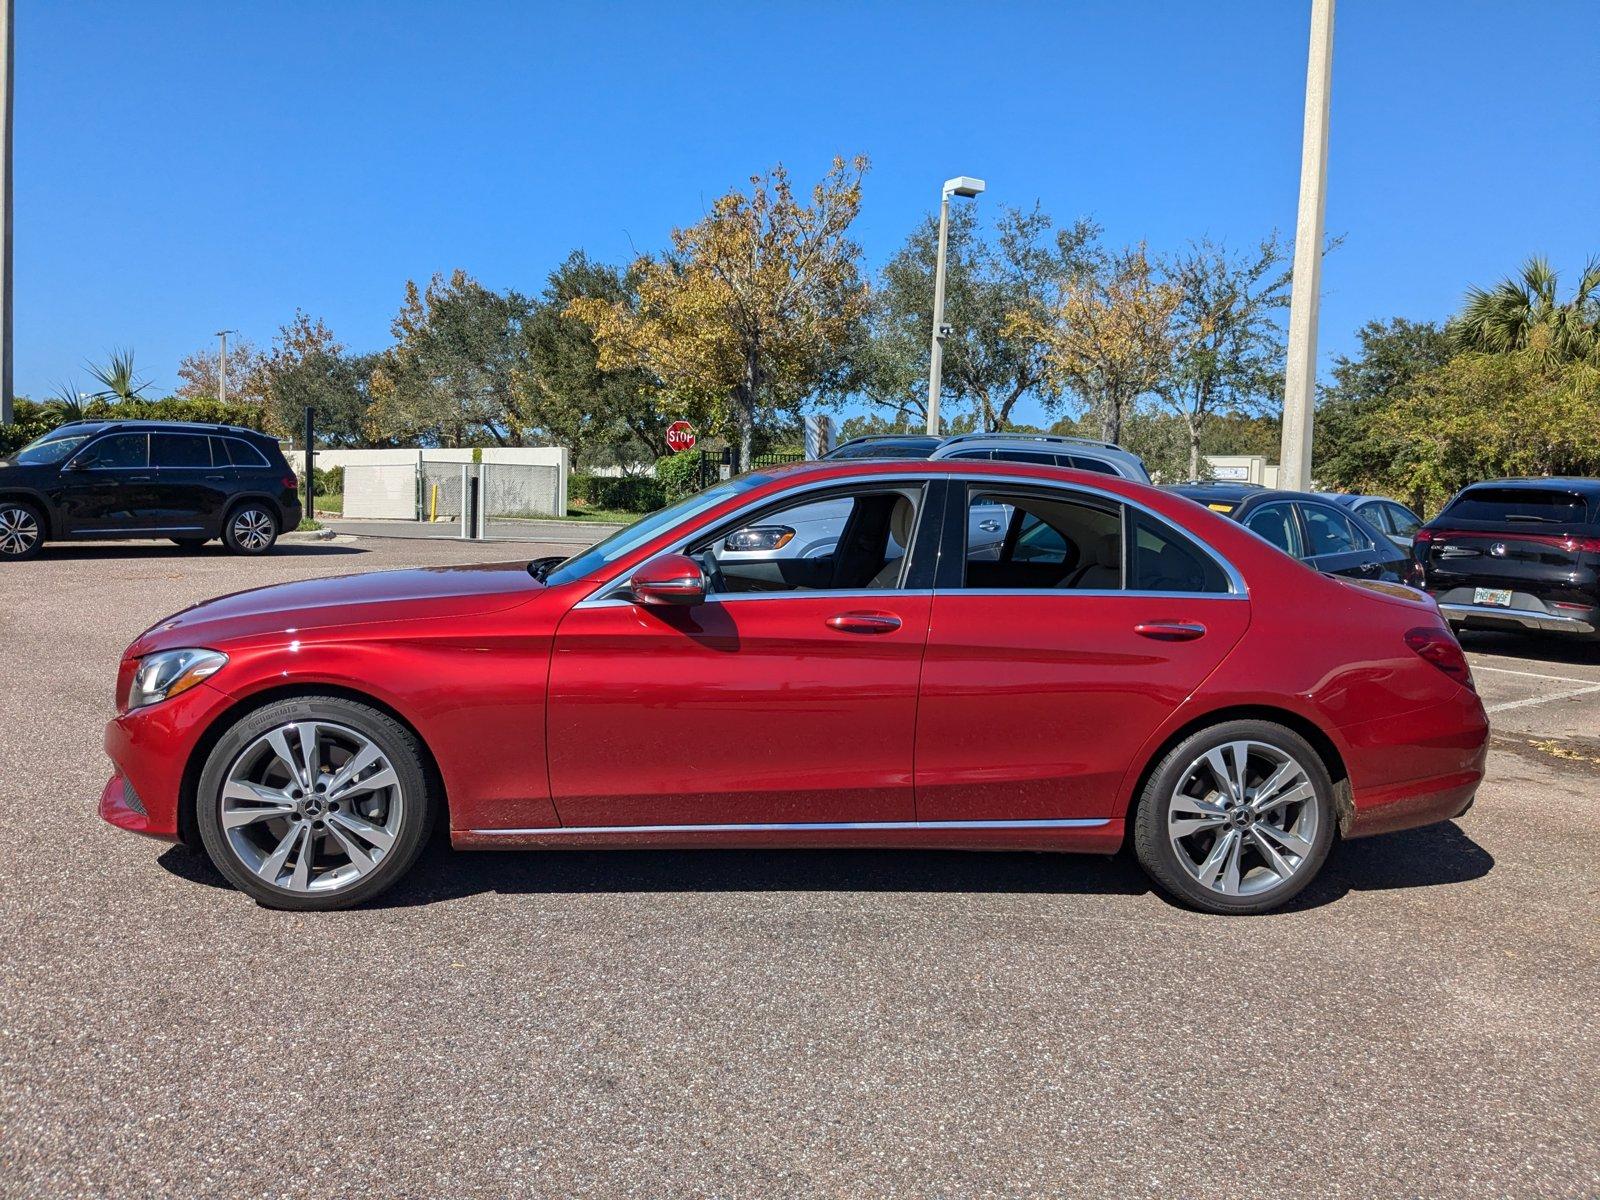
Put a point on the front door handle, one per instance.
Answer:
(864, 622)
(1170, 631)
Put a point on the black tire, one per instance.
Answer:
(189, 543)
(397, 744)
(251, 528)
(21, 530)
(1160, 858)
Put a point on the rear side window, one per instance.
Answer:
(1402, 520)
(1026, 456)
(1532, 505)
(243, 454)
(179, 450)
(1079, 463)
(120, 451)
(1276, 523)
(1163, 560)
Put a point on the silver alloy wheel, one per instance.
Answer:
(252, 529)
(311, 806)
(1243, 818)
(19, 529)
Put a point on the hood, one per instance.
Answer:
(343, 600)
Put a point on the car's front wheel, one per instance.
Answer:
(1236, 818)
(314, 803)
(21, 530)
(251, 528)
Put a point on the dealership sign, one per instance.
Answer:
(680, 436)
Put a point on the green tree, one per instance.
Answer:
(1525, 313)
(749, 314)
(451, 378)
(1228, 342)
(307, 368)
(1353, 441)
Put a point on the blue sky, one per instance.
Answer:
(185, 167)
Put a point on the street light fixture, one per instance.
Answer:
(961, 185)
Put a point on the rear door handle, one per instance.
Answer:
(864, 622)
(989, 526)
(1170, 631)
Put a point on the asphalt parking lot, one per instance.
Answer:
(758, 1024)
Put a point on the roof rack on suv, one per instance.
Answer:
(1056, 438)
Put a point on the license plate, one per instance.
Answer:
(1498, 596)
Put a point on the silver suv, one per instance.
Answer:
(1049, 449)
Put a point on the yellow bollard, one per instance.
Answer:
(433, 504)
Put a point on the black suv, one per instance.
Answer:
(144, 479)
(1518, 554)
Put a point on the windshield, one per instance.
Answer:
(52, 447)
(630, 538)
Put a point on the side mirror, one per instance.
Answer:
(669, 579)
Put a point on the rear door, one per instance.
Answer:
(190, 486)
(1047, 668)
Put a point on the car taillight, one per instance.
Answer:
(1581, 545)
(1422, 537)
(1440, 648)
(290, 482)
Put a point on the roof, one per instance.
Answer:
(170, 426)
(1576, 483)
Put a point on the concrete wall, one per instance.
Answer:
(537, 456)
(1243, 468)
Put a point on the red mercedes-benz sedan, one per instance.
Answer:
(1108, 665)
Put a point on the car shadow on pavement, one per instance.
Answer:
(1430, 857)
(89, 550)
(1534, 648)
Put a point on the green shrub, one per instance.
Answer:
(329, 482)
(29, 420)
(629, 493)
(679, 475)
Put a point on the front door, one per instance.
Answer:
(108, 486)
(1048, 668)
(788, 698)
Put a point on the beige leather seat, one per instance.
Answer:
(1102, 570)
(902, 522)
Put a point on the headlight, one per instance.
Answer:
(758, 537)
(162, 676)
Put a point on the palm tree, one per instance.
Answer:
(117, 378)
(65, 403)
(1522, 312)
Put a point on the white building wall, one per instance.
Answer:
(558, 457)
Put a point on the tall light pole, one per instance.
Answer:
(8, 56)
(1300, 377)
(961, 185)
(222, 360)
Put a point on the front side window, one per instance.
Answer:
(1329, 531)
(851, 541)
(119, 451)
(179, 450)
(1402, 520)
(1276, 524)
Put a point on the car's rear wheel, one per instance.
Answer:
(251, 528)
(1236, 818)
(314, 803)
(21, 530)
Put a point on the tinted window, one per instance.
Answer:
(1026, 456)
(180, 450)
(1554, 506)
(1276, 523)
(243, 454)
(1087, 464)
(1329, 531)
(884, 450)
(120, 450)
(1163, 560)
(985, 454)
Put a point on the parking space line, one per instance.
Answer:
(1510, 704)
(1530, 674)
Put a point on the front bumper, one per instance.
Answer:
(151, 748)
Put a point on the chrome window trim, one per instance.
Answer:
(799, 826)
(1237, 589)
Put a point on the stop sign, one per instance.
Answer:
(680, 436)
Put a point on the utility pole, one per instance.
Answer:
(961, 185)
(8, 53)
(222, 358)
(1300, 378)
